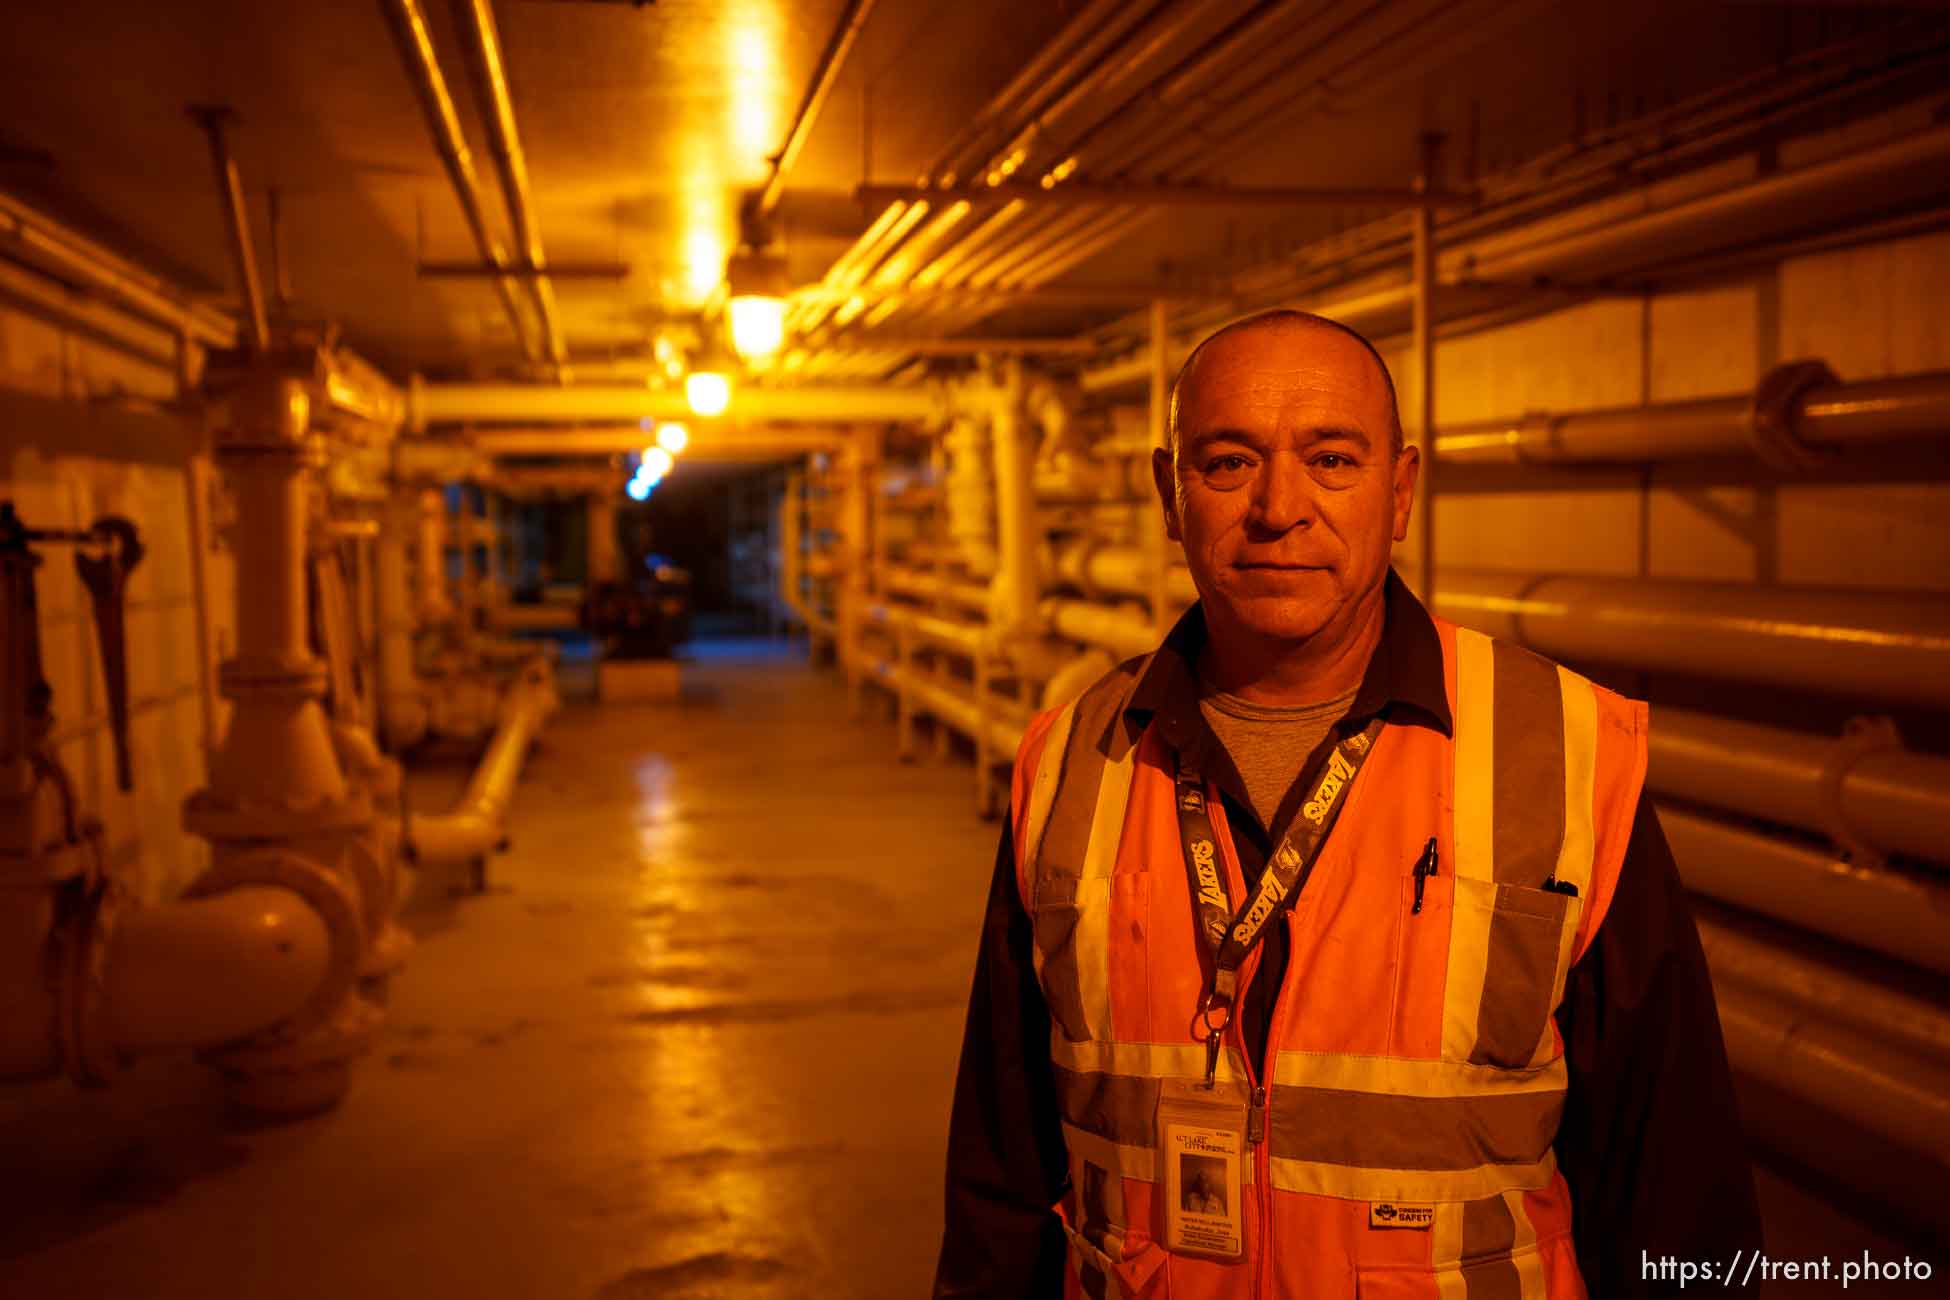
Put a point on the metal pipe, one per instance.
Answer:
(709, 442)
(1126, 633)
(1089, 194)
(509, 403)
(971, 596)
(402, 698)
(476, 827)
(1898, 1097)
(1017, 529)
(825, 75)
(201, 972)
(1822, 415)
(415, 40)
(963, 713)
(237, 226)
(1863, 789)
(475, 21)
(1877, 1009)
(1096, 569)
(1898, 914)
(1865, 644)
(1422, 350)
(40, 239)
(965, 638)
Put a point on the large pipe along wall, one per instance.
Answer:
(1036, 575)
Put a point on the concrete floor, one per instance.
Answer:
(698, 1039)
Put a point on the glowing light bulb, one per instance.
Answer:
(757, 325)
(708, 392)
(656, 463)
(673, 438)
(639, 489)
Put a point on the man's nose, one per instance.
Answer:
(1283, 496)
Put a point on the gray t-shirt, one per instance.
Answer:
(1268, 745)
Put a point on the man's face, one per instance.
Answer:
(1284, 489)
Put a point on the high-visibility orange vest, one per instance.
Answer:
(1416, 1073)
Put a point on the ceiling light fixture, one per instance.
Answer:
(708, 392)
(673, 437)
(756, 284)
(656, 463)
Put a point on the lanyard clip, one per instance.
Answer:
(1214, 1029)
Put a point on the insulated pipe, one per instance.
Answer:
(1902, 1098)
(1855, 184)
(1821, 989)
(1016, 586)
(1864, 788)
(45, 241)
(510, 403)
(965, 638)
(402, 700)
(1125, 632)
(192, 973)
(431, 554)
(475, 827)
(1898, 914)
(206, 971)
(415, 40)
(950, 706)
(1823, 415)
(1124, 570)
(1868, 645)
(475, 20)
(971, 596)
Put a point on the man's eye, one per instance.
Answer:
(1227, 468)
(1333, 460)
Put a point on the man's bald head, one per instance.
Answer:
(1283, 318)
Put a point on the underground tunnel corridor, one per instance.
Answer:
(697, 1038)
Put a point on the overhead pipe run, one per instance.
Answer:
(831, 60)
(40, 239)
(1896, 913)
(475, 20)
(430, 404)
(415, 40)
(1863, 644)
(1779, 205)
(1863, 790)
(1798, 412)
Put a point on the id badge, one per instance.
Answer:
(1202, 1141)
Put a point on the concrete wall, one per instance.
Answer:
(1869, 312)
(84, 433)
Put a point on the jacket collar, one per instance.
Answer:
(1404, 677)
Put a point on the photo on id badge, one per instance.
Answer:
(1202, 1201)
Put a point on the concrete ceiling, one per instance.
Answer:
(645, 123)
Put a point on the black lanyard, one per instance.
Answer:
(1227, 937)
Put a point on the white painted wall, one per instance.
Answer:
(79, 426)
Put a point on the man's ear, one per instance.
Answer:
(1164, 476)
(1408, 466)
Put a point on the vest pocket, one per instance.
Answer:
(1509, 946)
(1072, 914)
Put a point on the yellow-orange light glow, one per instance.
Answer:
(708, 392)
(673, 438)
(757, 325)
(656, 463)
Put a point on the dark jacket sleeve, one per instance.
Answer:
(1006, 1167)
(1650, 1143)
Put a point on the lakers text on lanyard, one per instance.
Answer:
(1204, 1129)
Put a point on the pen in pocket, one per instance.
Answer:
(1424, 868)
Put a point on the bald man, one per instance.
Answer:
(1332, 949)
